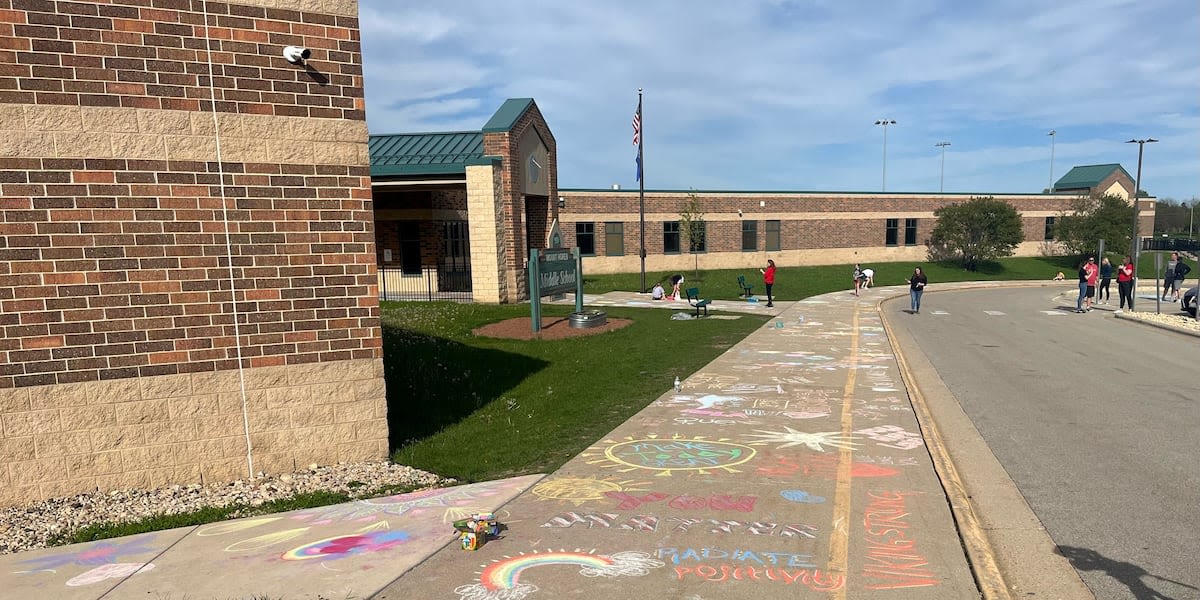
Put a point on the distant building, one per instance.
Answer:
(1096, 179)
(458, 212)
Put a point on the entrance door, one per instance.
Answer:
(454, 268)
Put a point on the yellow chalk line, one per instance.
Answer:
(979, 551)
(839, 538)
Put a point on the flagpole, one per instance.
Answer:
(642, 193)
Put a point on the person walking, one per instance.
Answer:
(1083, 278)
(858, 278)
(1103, 295)
(916, 287)
(1093, 278)
(1125, 283)
(1181, 271)
(769, 280)
(1169, 289)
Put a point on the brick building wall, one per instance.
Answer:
(519, 236)
(815, 228)
(187, 260)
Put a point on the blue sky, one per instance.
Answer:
(782, 95)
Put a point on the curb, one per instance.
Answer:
(980, 554)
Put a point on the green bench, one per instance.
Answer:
(746, 287)
(694, 300)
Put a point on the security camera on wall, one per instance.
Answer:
(296, 54)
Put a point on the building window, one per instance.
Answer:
(670, 237)
(1049, 228)
(749, 236)
(585, 238)
(893, 231)
(773, 236)
(910, 232)
(697, 241)
(614, 239)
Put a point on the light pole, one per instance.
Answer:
(1052, 134)
(942, 183)
(885, 123)
(1137, 189)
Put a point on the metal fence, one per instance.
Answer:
(430, 283)
(1160, 244)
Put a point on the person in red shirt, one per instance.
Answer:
(1125, 283)
(769, 280)
(1093, 276)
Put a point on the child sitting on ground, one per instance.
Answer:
(657, 292)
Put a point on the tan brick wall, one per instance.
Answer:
(179, 429)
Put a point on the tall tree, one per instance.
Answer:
(693, 227)
(1093, 218)
(977, 230)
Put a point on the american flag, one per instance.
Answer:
(637, 125)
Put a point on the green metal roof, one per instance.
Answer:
(506, 117)
(1087, 176)
(424, 153)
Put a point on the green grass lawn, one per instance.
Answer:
(797, 283)
(477, 408)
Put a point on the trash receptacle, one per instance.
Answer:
(587, 319)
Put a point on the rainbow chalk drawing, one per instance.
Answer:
(501, 579)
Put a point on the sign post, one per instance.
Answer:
(553, 271)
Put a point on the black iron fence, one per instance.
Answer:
(430, 283)
(1161, 244)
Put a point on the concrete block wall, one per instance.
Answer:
(187, 259)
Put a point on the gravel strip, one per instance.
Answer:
(30, 527)
(1173, 320)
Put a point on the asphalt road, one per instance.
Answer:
(1096, 420)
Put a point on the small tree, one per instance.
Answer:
(1093, 218)
(976, 230)
(693, 227)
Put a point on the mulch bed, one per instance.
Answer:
(553, 328)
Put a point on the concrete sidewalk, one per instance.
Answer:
(792, 464)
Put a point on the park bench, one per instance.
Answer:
(746, 287)
(693, 298)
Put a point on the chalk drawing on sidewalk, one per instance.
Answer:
(579, 490)
(373, 538)
(801, 497)
(670, 455)
(824, 466)
(813, 441)
(893, 436)
(648, 523)
(110, 571)
(94, 554)
(892, 560)
(501, 579)
(452, 502)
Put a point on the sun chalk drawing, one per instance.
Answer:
(501, 579)
(813, 441)
(668, 455)
(111, 571)
(801, 496)
(347, 545)
(579, 490)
